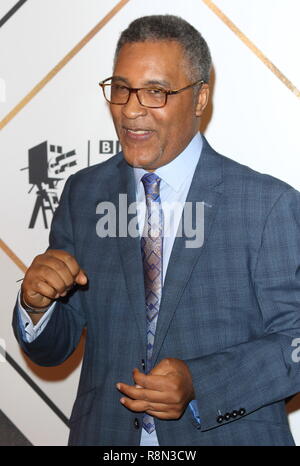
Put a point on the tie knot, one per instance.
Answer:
(151, 183)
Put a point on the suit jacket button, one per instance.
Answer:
(220, 419)
(234, 414)
(241, 412)
(227, 416)
(136, 423)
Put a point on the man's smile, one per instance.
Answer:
(137, 134)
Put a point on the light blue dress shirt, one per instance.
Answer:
(176, 178)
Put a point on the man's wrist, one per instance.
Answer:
(32, 310)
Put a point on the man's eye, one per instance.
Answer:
(157, 92)
(119, 87)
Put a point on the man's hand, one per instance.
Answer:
(163, 393)
(50, 276)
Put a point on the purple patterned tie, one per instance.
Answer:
(152, 255)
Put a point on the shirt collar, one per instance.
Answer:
(175, 172)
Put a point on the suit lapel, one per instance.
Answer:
(130, 253)
(206, 187)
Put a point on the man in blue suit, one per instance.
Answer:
(187, 343)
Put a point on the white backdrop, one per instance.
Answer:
(253, 118)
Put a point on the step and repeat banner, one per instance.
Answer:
(54, 121)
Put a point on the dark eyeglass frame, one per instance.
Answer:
(135, 90)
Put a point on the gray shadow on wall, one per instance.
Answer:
(293, 404)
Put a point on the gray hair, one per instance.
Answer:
(173, 28)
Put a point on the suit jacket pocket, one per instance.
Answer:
(83, 405)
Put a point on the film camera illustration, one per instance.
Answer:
(46, 165)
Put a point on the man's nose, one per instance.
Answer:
(133, 108)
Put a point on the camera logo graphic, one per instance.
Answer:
(47, 165)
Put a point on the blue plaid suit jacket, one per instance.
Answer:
(230, 309)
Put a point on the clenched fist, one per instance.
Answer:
(50, 276)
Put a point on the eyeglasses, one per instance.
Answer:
(151, 97)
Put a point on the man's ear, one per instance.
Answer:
(202, 100)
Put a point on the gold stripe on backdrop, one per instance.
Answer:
(61, 64)
(40, 86)
(12, 256)
(252, 47)
(88, 37)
